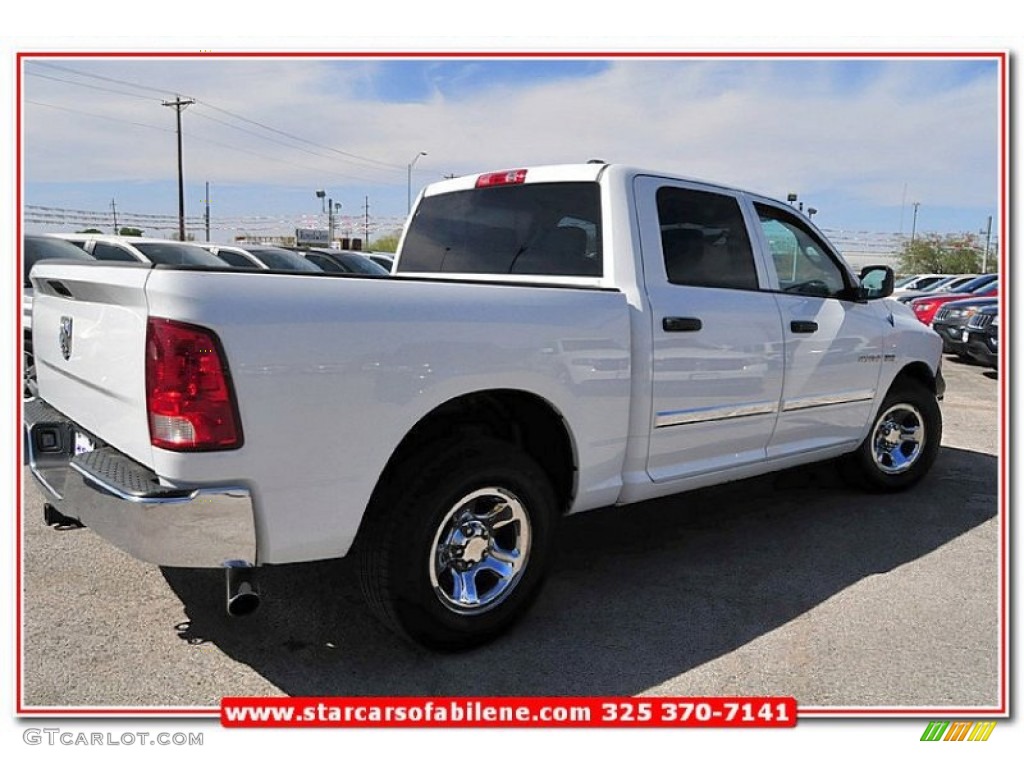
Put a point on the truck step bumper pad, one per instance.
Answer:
(125, 503)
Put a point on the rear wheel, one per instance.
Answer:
(455, 550)
(902, 443)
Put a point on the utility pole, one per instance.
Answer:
(366, 223)
(179, 105)
(207, 215)
(113, 207)
(913, 227)
(988, 243)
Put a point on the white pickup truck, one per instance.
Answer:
(552, 340)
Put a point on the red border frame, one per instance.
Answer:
(1004, 267)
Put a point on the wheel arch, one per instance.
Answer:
(522, 418)
(919, 371)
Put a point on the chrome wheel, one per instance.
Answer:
(898, 439)
(480, 551)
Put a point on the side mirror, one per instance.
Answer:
(877, 281)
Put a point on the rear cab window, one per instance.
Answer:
(523, 229)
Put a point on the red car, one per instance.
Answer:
(926, 307)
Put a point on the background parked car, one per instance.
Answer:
(951, 322)
(915, 283)
(926, 307)
(147, 250)
(36, 248)
(983, 336)
(971, 285)
(947, 284)
(261, 257)
(333, 260)
(386, 260)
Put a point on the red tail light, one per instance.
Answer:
(501, 178)
(189, 396)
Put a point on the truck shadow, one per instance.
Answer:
(636, 597)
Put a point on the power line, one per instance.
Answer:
(97, 114)
(299, 138)
(350, 155)
(161, 91)
(93, 87)
(64, 218)
(196, 137)
(281, 143)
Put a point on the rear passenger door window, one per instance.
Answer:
(704, 240)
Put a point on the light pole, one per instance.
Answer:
(332, 208)
(913, 226)
(408, 194)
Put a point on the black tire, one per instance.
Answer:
(902, 442)
(430, 566)
(29, 386)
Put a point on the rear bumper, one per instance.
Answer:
(127, 504)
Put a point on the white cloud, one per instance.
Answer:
(766, 125)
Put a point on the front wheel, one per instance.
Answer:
(902, 443)
(456, 547)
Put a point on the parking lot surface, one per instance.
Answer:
(788, 584)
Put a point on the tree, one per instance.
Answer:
(90, 231)
(941, 254)
(388, 243)
(130, 232)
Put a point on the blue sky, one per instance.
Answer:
(408, 80)
(859, 139)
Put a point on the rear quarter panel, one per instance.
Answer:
(332, 372)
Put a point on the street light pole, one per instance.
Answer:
(408, 194)
(913, 226)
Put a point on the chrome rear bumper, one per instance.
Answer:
(126, 503)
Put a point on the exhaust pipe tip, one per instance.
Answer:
(244, 603)
(243, 598)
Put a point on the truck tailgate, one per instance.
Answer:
(89, 339)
